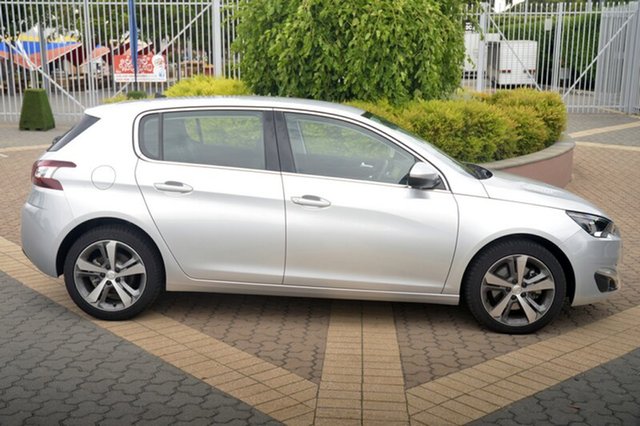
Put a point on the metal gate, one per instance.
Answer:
(68, 47)
(590, 54)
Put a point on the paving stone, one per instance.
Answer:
(51, 390)
(584, 399)
(287, 332)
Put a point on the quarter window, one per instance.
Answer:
(149, 133)
(329, 147)
(217, 138)
(86, 122)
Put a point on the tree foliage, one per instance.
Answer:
(360, 49)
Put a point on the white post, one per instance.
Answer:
(43, 55)
(217, 39)
(88, 49)
(557, 48)
(482, 60)
(632, 65)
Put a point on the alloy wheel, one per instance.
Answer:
(110, 275)
(518, 290)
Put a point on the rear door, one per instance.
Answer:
(212, 184)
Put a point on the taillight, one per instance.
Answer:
(43, 170)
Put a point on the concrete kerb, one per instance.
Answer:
(552, 165)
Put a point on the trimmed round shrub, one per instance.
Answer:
(466, 130)
(361, 49)
(547, 105)
(529, 133)
(207, 86)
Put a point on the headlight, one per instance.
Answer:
(596, 226)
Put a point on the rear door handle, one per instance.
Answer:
(173, 186)
(311, 201)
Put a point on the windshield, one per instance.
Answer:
(470, 169)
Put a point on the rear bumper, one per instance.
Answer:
(595, 265)
(44, 216)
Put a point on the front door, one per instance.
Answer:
(352, 222)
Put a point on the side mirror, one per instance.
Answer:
(423, 176)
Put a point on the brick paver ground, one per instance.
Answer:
(606, 395)
(288, 332)
(11, 136)
(306, 360)
(584, 122)
(57, 368)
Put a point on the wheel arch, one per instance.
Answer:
(83, 227)
(567, 268)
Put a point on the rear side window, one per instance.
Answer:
(150, 136)
(86, 122)
(216, 138)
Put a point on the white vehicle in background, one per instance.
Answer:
(471, 46)
(512, 62)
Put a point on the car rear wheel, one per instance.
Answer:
(515, 287)
(113, 273)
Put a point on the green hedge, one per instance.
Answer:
(115, 99)
(475, 127)
(137, 94)
(207, 86)
(196, 86)
(482, 127)
(547, 105)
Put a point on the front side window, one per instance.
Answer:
(334, 148)
(217, 138)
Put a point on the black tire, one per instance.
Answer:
(148, 284)
(481, 296)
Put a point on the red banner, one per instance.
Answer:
(151, 68)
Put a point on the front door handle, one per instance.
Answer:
(311, 201)
(173, 186)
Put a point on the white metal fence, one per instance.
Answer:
(589, 54)
(78, 39)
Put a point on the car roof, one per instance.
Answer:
(133, 108)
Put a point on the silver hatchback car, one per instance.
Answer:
(301, 198)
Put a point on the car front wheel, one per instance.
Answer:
(515, 287)
(113, 273)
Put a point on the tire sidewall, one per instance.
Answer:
(146, 251)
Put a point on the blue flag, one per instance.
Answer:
(133, 37)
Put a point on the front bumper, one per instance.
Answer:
(595, 266)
